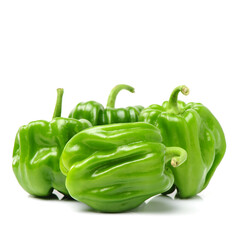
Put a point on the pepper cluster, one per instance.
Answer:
(113, 159)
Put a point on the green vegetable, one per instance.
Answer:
(98, 115)
(37, 150)
(114, 168)
(194, 128)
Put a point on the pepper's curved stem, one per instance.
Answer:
(172, 103)
(114, 92)
(58, 106)
(177, 156)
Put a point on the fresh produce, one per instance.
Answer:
(116, 167)
(37, 149)
(98, 115)
(113, 159)
(193, 127)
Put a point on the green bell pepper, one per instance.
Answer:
(116, 167)
(37, 150)
(98, 115)
(194, 128)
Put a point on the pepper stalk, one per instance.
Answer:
(58, 106)
(177, 156)
(114, 92)
(172, 103)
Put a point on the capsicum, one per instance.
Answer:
(193, 127)
(116, 167)
(98, 115)
(37, 150)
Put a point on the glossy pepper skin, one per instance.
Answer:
(194, 128)
(98, 115)
(115, 168)
(37, 150)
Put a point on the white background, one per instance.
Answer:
(87, 47)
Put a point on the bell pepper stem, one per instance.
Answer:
(114, 92)
(172, 103)
(58, 106)
(176, 155)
